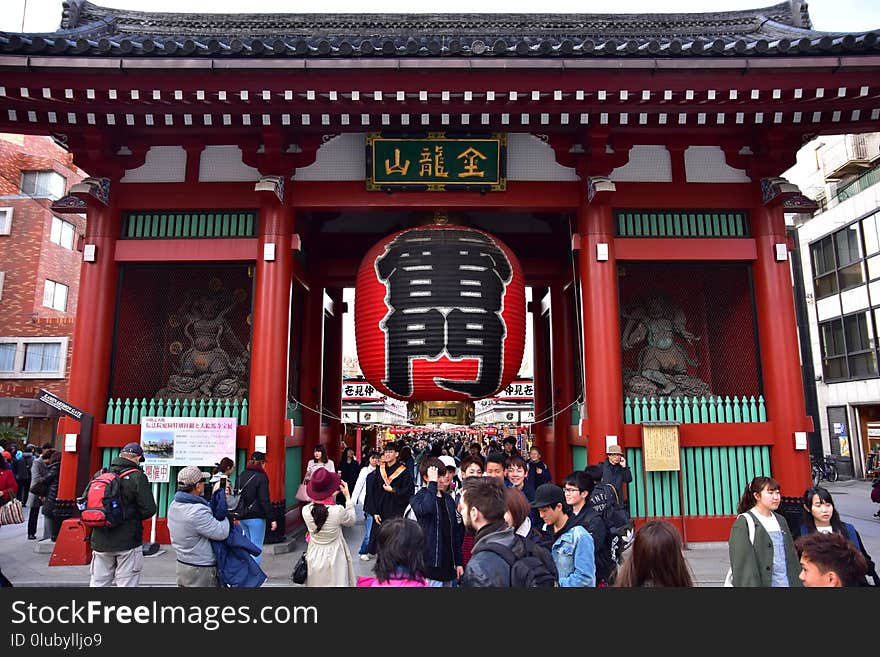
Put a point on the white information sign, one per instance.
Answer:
(187, 440)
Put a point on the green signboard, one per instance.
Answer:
(436, 162)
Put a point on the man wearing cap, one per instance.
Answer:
(390, 488)
(192, 526)
(573, 550)
(253, 483)
(615, 471)
(117, 553)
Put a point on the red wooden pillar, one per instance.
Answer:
(92, 336)
(272, 295)
(312, 356)
(332, 401)
(603, 381)
(563, 388)
(777, 332)
(543, 401)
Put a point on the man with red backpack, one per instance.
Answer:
(117, 553)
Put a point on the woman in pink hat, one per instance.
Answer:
(328, 557)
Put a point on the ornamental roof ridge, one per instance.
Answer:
(783, 29)
(76, 13)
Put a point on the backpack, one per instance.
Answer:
(102, 504)
(531, 566)
(616, 518)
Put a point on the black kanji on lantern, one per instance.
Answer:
(445, 293)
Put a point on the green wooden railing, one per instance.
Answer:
(165, 491)
(183, 225)
(694, 410)
(714, 479)
(681, 224)
(130, 411)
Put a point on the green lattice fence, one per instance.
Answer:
(671, 223)
(188, 225)
(130, 411)
(694, 410)
(714, 479)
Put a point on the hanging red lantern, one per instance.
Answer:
(439, 314)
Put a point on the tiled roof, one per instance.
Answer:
(782, 29)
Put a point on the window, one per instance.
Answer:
(833, 350)
(839, 259)
(47, 184)
(33, 358)
(5, 221)
(824, 274)
(849, 348)
(41, 357)
(7, 357)
(55, 295)
(63, 233)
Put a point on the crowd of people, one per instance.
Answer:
(441, 513)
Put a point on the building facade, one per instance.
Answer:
(40, 256)
(840, 264)
(636, 165)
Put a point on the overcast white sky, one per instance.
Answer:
(828, 15)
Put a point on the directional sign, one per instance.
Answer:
(55, 402)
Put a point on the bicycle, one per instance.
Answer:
(823, 467)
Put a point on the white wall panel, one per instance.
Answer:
(828, 307)
(706, 164)
(646, 164)
(162, 164)
(855, 299)
(224, 164)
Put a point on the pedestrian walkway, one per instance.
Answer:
(25, 562)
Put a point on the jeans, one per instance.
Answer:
(368, 526)
(255, 530)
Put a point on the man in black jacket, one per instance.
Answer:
(482, 507)
(435, 510)
(253, 483)
(389, 490)
(615, 470)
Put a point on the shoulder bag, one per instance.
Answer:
(11, 513)
(300, 570)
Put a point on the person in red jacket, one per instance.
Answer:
(8, 484)
(8, 490)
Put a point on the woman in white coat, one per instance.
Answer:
(328, 557)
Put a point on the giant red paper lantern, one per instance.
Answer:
(439, 314)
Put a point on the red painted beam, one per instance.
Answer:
(711, 435)
(685, 248)
(520, 195)
(728, 196)
(187, 250)
(181, 196)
